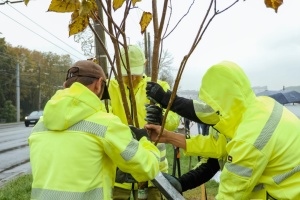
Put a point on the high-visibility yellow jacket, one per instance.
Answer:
(172, 120)
(76, 146)
(212, 145)
(264, 137)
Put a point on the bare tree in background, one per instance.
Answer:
(166, 69)
(86, 39)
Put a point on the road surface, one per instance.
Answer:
(14, 151)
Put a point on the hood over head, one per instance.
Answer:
(136, 58)
(226, 88)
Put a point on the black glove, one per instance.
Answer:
(157, 94)
(173, 181)
(122, 177)
(138, 133)
(154, 114)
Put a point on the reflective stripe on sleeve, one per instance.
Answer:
(216, 135)
(279, 178)
(98, 130)
(89, 127)
(203, 108)
(161, 146)
(130, 150)
(82, 126)
(258, 187)
(269, 127)
(239, 170)
(39, 127)
(162, 158)
(45, 194)
(261, 140)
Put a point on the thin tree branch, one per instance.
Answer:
(198, 38)
(166, 35)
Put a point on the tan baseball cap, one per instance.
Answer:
(86, 68)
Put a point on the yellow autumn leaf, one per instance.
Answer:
(94, 9)
(134, 2)
(117, 4)
(145, 20)
(273, 4)
(26, 2)
(88, 7)
(78, 23)
(64, 5)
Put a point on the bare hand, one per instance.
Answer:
(153, 131)
(169, 137)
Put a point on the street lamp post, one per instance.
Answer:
(39, 105)
(18, 92)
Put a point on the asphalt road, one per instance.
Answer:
(14, 151)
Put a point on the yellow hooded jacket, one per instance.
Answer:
(172, 121)
(76, 146)
(263, 151)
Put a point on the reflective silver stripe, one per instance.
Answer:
(202, 107)
(162, 158)
(161, 146)
(82, 126)
(239, 170)
(269, 127)
(45, 194)
(258, 187)
(216, 135)
(39, 127)
(222, 162)
(279, 178)
(130, 150)
(89, 127)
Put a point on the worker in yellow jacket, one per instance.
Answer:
(122, 191)
(262, 136)
(76, 146)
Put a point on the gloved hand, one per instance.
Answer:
(173, 181)
(157, 94)
(138, 133)
(122, 177)
(154, 114)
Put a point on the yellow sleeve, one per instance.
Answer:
(205, 113)
(139, 158)
(211, 146)
(172, 121)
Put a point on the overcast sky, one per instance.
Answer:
(264, 43)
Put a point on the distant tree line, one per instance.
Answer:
(41, 74)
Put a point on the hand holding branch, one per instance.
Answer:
(170, 137)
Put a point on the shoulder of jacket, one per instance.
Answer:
(113, 83)
(163, 84)
(105, 117)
